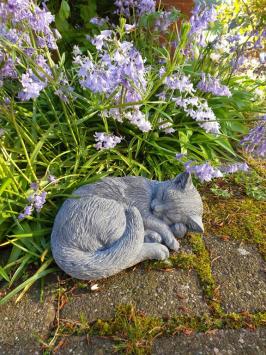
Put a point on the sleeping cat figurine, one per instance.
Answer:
(118, 222)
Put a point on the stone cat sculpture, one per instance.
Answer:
(119, 222)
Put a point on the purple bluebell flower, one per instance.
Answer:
(204, 172)
(164, 21)
(114, 113)
(130, 28)
(237, 62)
(106, 140)
(255, 141)
(122, 67)
(199, 110)
(31, 86)
(98, 21)
(162, 96)
(161, 71)
(179, 156)
(36, 200)
(7, 100)
(179, 82)
(212, 85)
(233, 168)
(24, 15)
(52, 179)
(27, 212)
(202, 16)
(166, 126)
(34, 186)
(100, 40)
(64, 93)
(39, 201)
(138, 118)
(138, 7)
(7, 68)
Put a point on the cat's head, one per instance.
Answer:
(178, 201)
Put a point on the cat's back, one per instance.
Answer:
(122, 189)
(88, 221)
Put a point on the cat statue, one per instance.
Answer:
(118, 222)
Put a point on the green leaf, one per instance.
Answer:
(3, 274)
(88, 11)
(64, 11)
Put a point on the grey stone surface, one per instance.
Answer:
(21, 323)
(222, 342)
(83, 345)
(157, 293)
(241, 273)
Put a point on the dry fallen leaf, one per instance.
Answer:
(225, 238)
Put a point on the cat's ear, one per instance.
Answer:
(183, 181)
(195, 224)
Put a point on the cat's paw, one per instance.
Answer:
(179, 230)
(152, 237)
(161, 252)
(174, 245)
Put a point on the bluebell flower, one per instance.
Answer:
(34, 186)
(31, 86)
(199, 110)
(179, 156)
(255, 141)
(204, 172)
(164, 21)
(7, 68)
(121, 67)
(39, 201)
(98, 21)
(138, 118)
(27, 212)
(178, 81)
(25, 15)
(106, 140)
(52, 179)
(202, 16)
(212, 85)
(138, 7)
(233, 168)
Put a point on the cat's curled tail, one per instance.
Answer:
(91, 265)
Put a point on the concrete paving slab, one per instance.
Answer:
(157, 293)
(20, 323)
(222, 342)
(241, 273)
(83, 345)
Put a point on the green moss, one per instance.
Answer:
(180, 260)
(202, 265)
(241, 219)
(133, 331)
